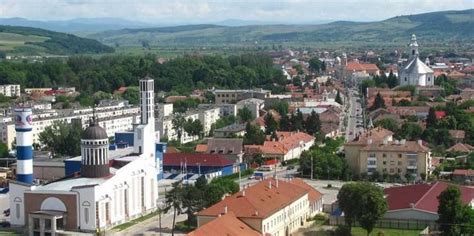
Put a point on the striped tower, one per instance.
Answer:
(24, 141)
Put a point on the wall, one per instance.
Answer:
(411, 214)
(69, 199)
(124, 137)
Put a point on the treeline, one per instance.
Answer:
(179, 76)
(59, 43)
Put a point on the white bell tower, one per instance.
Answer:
(413, 46)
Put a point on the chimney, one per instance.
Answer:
(369, 141)
(243, 193)
(270, 184)
(420, 142)
(256, 212)
(225, 209)
(276, 181)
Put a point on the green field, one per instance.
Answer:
(11, 41)
(358, 231)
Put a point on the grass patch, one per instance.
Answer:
(358, 231)
(135, 221)
(185, 147)
(183, 227)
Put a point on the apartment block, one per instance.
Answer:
(10, 90)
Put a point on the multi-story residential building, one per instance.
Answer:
(208, 115)
(164, 110)
(10, 90)
(225, 109)
(396, 157)
(233, 95)
(166, 129)
(253, 104)
(270, 207)
(112, 118)
(376, 150)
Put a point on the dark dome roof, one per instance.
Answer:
(94, 131)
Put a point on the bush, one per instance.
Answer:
(320, 217)
(342, 230)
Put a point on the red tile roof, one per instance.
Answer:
(461, 147)
(422, 196)
(463, 172)
(201, 148)
(440, 114)
(194, 159)
(286, 141)
(356, 66)
(227, 225)
(260, 200)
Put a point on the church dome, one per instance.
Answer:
(94, 131)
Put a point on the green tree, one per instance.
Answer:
(178, 125)
(297, 121)
(378, 102)
(280, 106)
(3, 150)
(244, 114)
(132, 95)
(193, 127)
(285, 123)
(451, 211)
(315, 64)
(410, 131)
(253, 135)
(431, 121)
(387, 123)
(62, 139)
(270, 124)
(173, 201)
(338, 98)
(312, 125)
(370, 207)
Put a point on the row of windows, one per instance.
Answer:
(225, 95)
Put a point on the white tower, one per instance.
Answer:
(144, 137)
(24, 142)
(413, 46)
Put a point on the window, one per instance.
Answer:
(17, 206)
(399, 163)
(399, 155)
(384, 155)
(405, 79)
(372, 163)
(384, 163)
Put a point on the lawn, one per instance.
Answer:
(135, 221)
(358, 231)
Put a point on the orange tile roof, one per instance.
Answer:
(227, 225)
(461, 147)
(258, 201)
(376, 134)
(356, 66)
(313, 194)
(201, 148)
(286, 142)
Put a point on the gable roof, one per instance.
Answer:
(194, 159)
(225, 145)
(460, 147)
(258, 201)
(406, 146)
(422, 196)
(286, 141)
(356, 66)
(463, 172)
(227, 225)
(377, 134)
(416, 66)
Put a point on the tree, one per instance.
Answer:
(297, 121)
(193, 127)
(410, 131)
(173, 200)
(387, 123)
(315, 64)
(312, 125)
(270, 124)
(132, 95)
(392, 80)
(371, 204)
(378, 102)
(245, 114)
(452, 212)
(285, 123)
(178, 125)
(280, 106)
(338, 98)
(253, 135)
(431, 120)
(62, 139)
(3, 150)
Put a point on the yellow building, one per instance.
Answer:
(376, 150)
(396, 157)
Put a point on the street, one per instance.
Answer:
(354, 116)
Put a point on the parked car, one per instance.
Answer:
(290, 167)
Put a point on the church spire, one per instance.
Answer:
(413, 46)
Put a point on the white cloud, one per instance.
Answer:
(214, 10)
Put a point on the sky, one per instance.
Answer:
(202, 11)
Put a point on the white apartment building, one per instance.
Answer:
(166, 129)
(253, 104)
(208, 116)
(111, 118)
(10, 90)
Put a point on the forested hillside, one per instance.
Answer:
(17, 39)
(180, 75)
(432, 28)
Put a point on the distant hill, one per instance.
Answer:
(77, 26)
(435, 27)
(34, 41)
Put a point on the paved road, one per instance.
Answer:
(355, 110)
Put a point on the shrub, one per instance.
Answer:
(342, 230)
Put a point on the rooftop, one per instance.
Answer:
(227, 224)
(195, 159)
(422, 196)
(396, 146)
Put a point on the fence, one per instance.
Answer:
(391, 223)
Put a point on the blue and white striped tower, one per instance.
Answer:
(24, 141)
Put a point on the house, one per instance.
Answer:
(415, 72)
(233, 96)
(225, 224)
(419, 201)
(289, 145)
(212, 165)
(463, 176)
(457, 135)
(233, 130)
(403, 111)
(270, 207)
(231, 148)
(461, 147)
